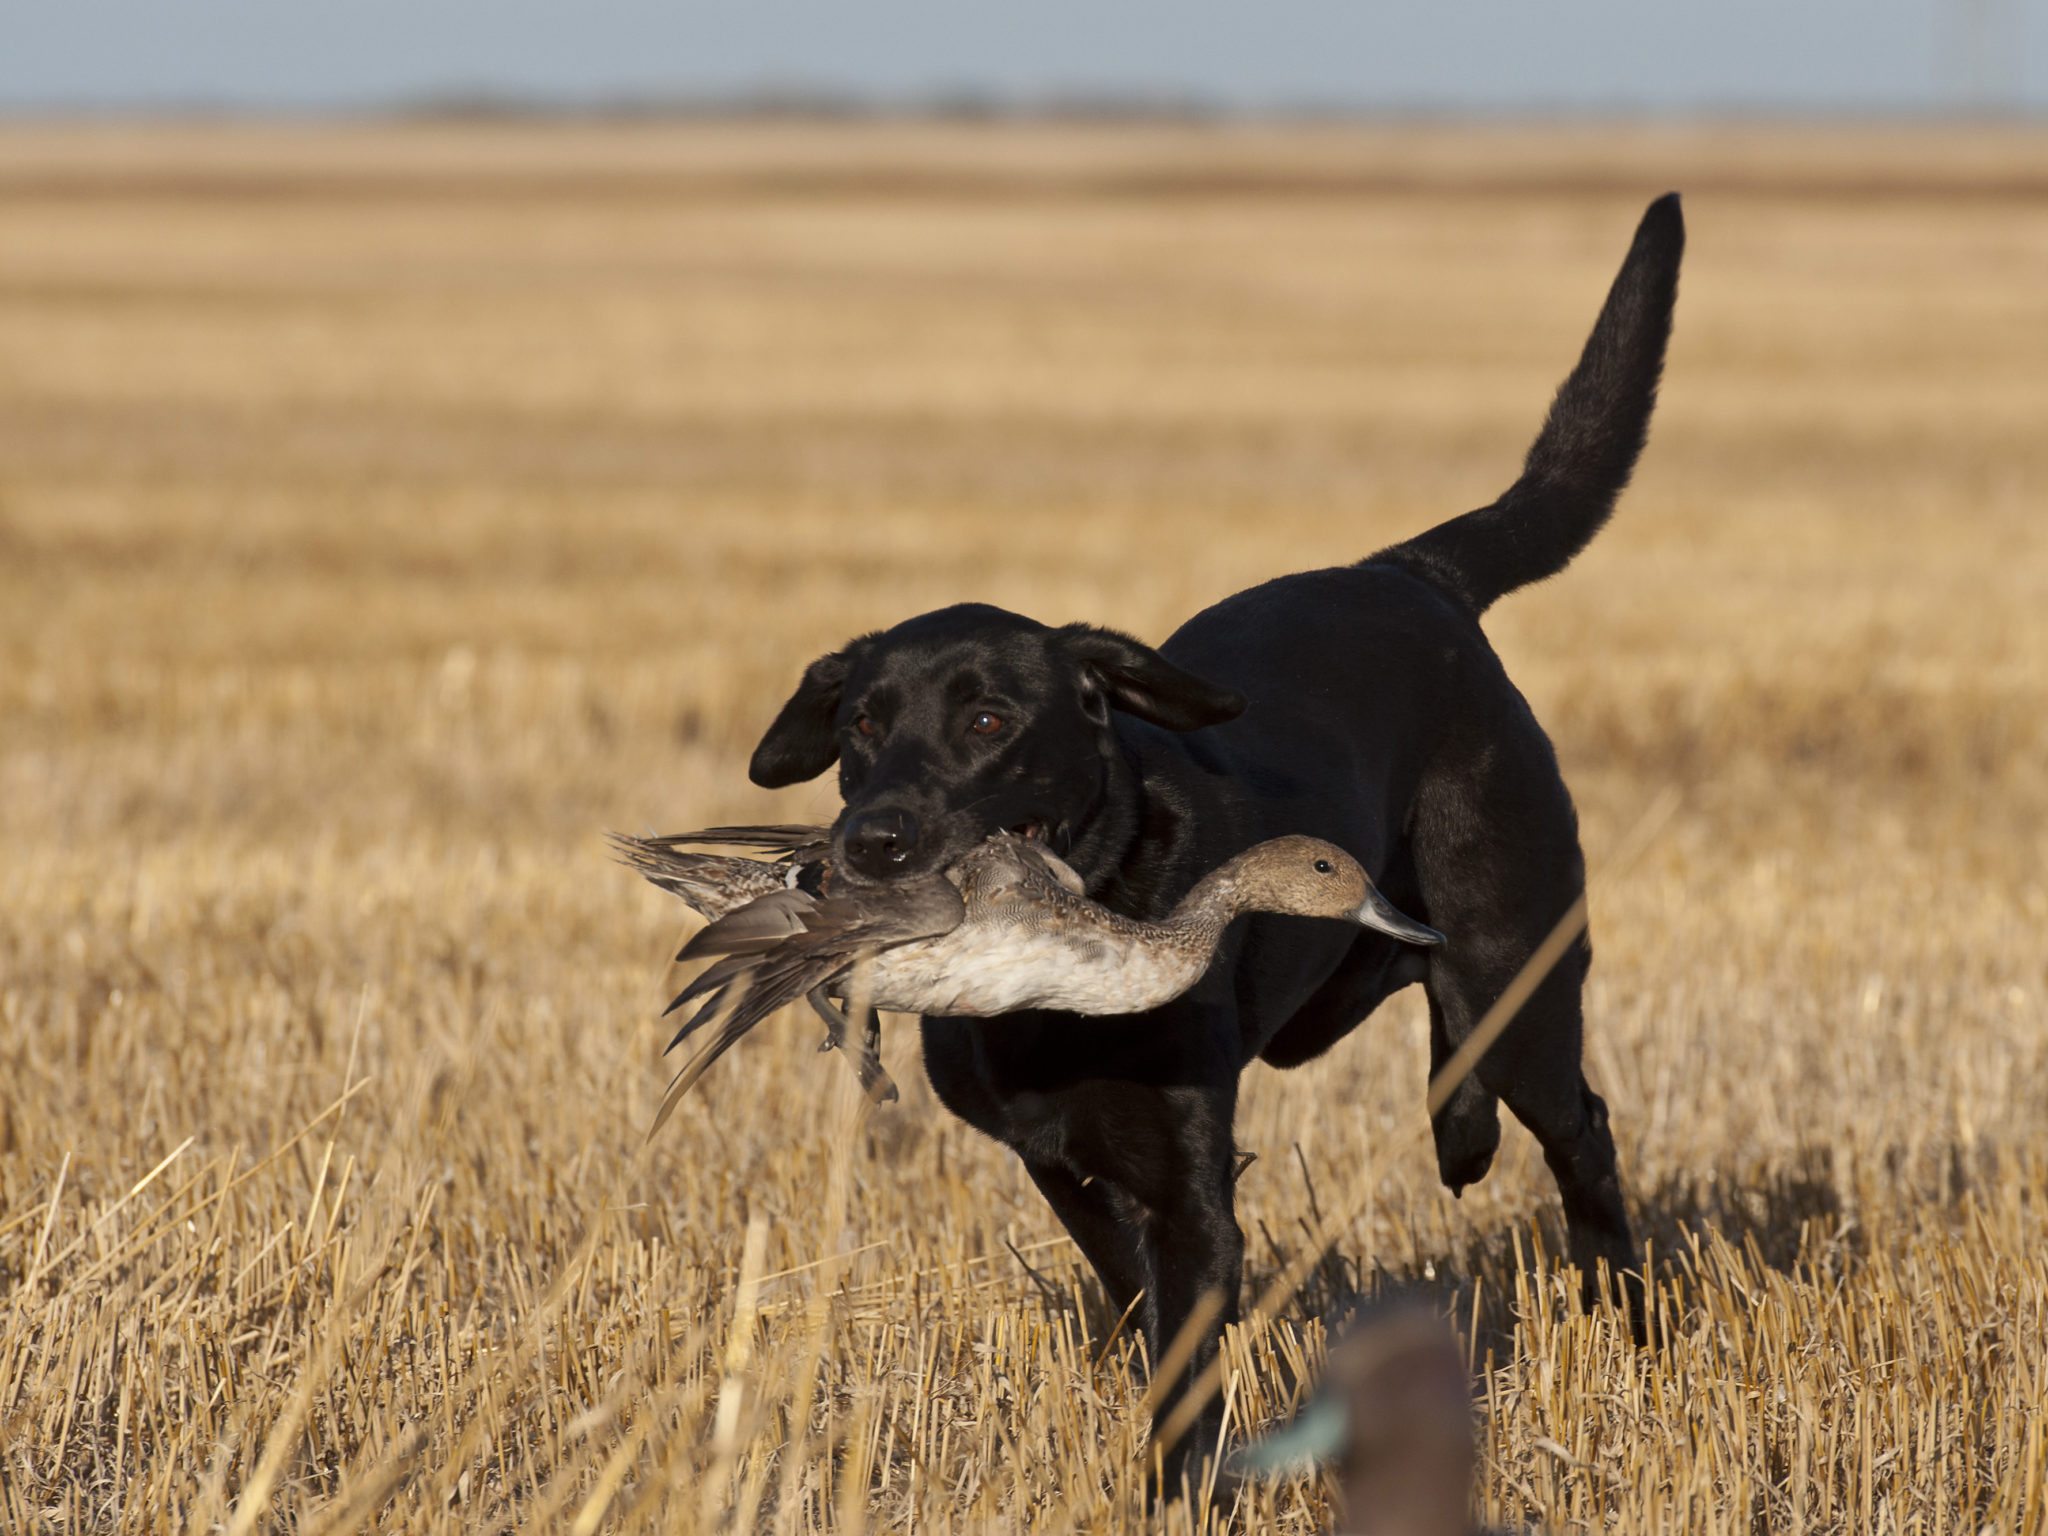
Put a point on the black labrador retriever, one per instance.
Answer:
(1361, 704)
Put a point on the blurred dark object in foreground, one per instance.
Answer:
(1393, 1419)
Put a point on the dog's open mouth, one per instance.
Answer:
(1055, 836)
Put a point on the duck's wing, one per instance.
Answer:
(763, 967)
(755, 928)
(791, 942)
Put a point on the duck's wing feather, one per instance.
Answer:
(760, 971)
(714, 978)
(788, 943)
(755, 928)
(871, 918)
(732, 1022)
(742, 999)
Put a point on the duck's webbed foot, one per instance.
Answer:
(866, 1055)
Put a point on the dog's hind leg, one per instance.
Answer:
(1498, 861)
(1534, 1067)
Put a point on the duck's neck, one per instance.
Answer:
(1209, 907)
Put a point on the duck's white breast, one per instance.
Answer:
(991, 967)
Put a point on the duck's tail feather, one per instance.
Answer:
(710, 884)
(757, 985)
(732, 1013)
(788, 839)
(714, 978)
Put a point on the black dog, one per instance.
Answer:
(1361, 704)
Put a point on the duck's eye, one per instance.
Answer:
(866, 726)
(986, 724)
(1325, 867)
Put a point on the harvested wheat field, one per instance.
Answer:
(387, 512)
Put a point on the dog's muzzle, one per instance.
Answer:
(879, 842)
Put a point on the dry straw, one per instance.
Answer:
(384, 511)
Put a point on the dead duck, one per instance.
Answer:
(1006, 928)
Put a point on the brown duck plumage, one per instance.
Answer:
(1006, 928)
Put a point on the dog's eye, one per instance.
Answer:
(986, 724)
(1325, 867)
(866, 726)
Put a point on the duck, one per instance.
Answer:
(1393, 1419)
(1007, 927)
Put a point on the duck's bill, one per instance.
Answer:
(1315, 1436)
(1380, 914)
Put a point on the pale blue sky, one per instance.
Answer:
(1862, 56)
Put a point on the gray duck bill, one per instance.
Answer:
(1381, 915)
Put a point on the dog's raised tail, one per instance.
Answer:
(1581, 460)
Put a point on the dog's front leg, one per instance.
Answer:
(1097, 1217)
(1194, 1252)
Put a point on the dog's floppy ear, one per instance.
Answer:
(804, 740)
(1139, 681)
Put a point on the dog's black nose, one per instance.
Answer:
(877, 842)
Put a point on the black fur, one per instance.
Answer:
(1379, 718)
(1582, 459)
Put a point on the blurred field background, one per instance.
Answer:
(386, 512)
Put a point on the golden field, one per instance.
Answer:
(386, 512)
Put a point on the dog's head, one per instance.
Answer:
(971, 720)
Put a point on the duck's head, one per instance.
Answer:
(1393, 1417)
(1308, 877)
